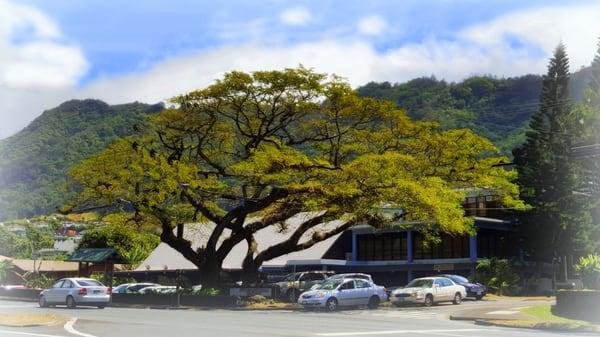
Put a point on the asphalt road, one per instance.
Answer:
(121, 322)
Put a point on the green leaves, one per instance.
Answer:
(224, 149)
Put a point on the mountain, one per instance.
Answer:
(34, 162)
(497, 108)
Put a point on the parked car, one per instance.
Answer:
(344, 292)
(294, 284)
(76, 291)
(476, 290)
(429, 290)
(132, 287)
(158, 290)
(343, 276)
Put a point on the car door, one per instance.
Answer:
(448, 288)
(64, 290)
(364, 290)
(347, 294)
(52, 293)
(438, 291)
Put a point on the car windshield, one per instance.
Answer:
(420, 283)
(89, 283)
(330, 284)
(458, 279)
(291, 277)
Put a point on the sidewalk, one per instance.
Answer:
(513, 317)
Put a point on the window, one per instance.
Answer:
(362, 284)
(348, 285)
(89, 283)
(58, 284)
(381, 246)
(446, 282)
(67, 284)
(438, 283)
(312, 277)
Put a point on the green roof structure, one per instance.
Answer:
(97, 255)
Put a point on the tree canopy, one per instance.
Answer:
(254, 149)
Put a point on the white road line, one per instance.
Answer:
(391, 332)
(70, 329)
(28, 333)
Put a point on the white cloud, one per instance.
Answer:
(295, 16)
(372, 25)
(486, 48)
(37, 68)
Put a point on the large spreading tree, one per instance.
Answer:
(559, 222)
(255, 149)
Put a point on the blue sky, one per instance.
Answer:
(150, 50)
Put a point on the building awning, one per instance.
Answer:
(97, 255)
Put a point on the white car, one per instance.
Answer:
(76, 291)
(429, 290)
(343, 292)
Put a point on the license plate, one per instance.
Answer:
(97, 291)
(479, 292)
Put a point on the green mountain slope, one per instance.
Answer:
(34, 161)
(497, 108)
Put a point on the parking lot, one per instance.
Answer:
(386, 321)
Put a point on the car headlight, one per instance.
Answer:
(320, 294)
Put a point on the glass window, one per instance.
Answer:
(291, 277)
(362, 284)
(89, 283)
(446, 282)
(419, 283)
(67, 284)
(348, 285)
(58, 284)
(311, 277)
(438, 283)
(459, 279)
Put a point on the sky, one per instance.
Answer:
(150, 50)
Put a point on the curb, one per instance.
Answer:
(536, 326)
(473, 318)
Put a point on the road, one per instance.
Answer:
(121, 322)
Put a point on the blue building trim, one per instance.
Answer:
(473, 248)
(354, 247)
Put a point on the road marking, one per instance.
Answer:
(391, 332)
(28, 333)
(70, 329)
(501, 312)
(406, 314)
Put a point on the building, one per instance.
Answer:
(393, 256)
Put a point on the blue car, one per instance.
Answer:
(475, 290)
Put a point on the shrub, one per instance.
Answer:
(498, 275)
(589, 268)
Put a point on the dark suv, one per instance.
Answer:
(294, 284)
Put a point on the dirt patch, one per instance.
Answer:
(30, 319)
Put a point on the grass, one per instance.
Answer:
(23, 319)
(544, 313)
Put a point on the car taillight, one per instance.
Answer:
(109, 291)
(82, 291)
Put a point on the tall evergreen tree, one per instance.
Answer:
(548, 178)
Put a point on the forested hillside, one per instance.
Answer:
(34, 161)
(497, 108)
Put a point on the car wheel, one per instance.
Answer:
(479, 297)
(331, 304)
(373, 302)
(71, 302)
(101, 306)
(292, 296)
(42, 302)
(457, 298)
(429, 300)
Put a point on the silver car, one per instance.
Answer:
(343, 292)
(76, 291)
(362, 276)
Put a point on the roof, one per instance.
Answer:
(42, 265)
(165, 257)
(97, 255)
